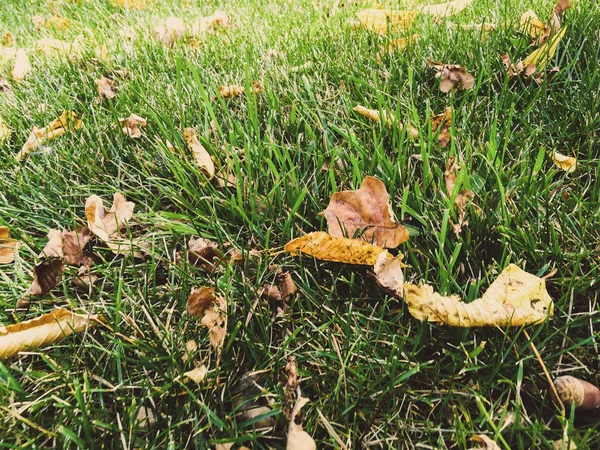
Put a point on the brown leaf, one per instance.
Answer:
(298, 439)
(5, 89)
(515, 298)
(67, 245)
(328, 248)
(22, 66)
(366, 212)
(287, 285)
(557, 13)
(8, 247)
(169, 31)
(443, 123)
(485, 442)
(204, 254)
(42, 331)
(213, 309)
(7, 39)
(197, 374)
(201, 156)
(534, 27)
(540, 58)
(204, 24)
(67, 121)
(453, 76)
(131, 125)
(462, 198)
(388, 272)
(106, 88)
(46, 276)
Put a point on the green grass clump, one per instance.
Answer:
(381, 378)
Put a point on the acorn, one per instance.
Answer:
(573, 390)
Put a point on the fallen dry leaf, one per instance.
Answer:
(4, 131)
(205, 303)
(372, 114)
(8, 246)
(485, 442)
(328, 248)
(38, 21)
(169, 31)
(46, 276)
(108, 223)
(131, 125)
(235, 90)
(204, 254)
(396, 45)
(462, 198)
(129, 4)
(197, 374)
(388, 119)
(67, 245)
(204, 24)
(566, 163)
(446, 9)
(42, 331)
(541, 57)
(5, 89)
(22, 66)
(7, 39)
(367, 213)
(382, 20)
(453, 76)
(67, 121)
(515, 298)
(201, 156)
(57, 23)
(388, 272)
(298, 439)
(557, 13)
(534, 27)
(559, 445)
(106, 88)
(51, 46)
(443, 123)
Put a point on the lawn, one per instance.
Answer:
(375, 376)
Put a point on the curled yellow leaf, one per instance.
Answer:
(566, 163)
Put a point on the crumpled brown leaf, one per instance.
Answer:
(43, 330)
(67, 121)
(443, 123)
(131, 125)
(106, 88)
(205, 303)
(389, 274)
(366, 212)
(8, 246)
(22, 66)
(462, 199)
(328, 248)
(515, 298)
(108, 223)
(46, 276)
(485, 442)
(68, 245)
(201, 156)
(566, 163)
(204, 253)
(171, 30)
(293, 401)
(534, 27)
(453, 76)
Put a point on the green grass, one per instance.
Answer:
(381, 378)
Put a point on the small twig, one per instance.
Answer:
(548, 377)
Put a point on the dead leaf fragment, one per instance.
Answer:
(129, 4)
(515, 298)
(204, 253)
(213, 309)
(386, 118)
(382, 20)
(67, 245)
(443, 123)
(485, 442)
(234, 90)
(67, 121)
(204, 24)
(57, 23)
(46, 276)
(42, 331)
(388, 272)
(51, 46)
(201, 156)
(541, 57)
(462, 198)
(328, 248)
(557, 13)
(566, 163)
(534, 27)
(132, 124)
(372, 114)
(169, 31)
(298, 439)
(7, 39)
(366, 212)
(5, 89)
(8, 247)
(106, 88)
(446, 9)
(197, 374)
(453, 76)
(4, 131)
(22, 66)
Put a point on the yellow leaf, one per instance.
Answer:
(388, 119)
(201, 156)
(51, 46)
(4, 131)
(129, 4)
(446, 9)
(542, 56)
(198, 374)
(380, 20)
(515, 298)
(372, 114)
(8, 247)
(42, 331)
(328, 248)
(22, 65)
(67, 121)
(566, 163)
(531, 25)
